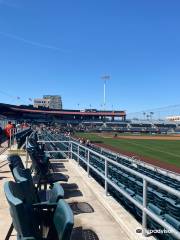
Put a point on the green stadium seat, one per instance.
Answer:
(63, 220)
(172, 221)
(173, 207)
(155, 209)
(23, 177)
(138, 211)
(29, 223)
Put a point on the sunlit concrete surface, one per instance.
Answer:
(5, 218)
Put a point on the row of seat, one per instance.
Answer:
(37, 214)
(51, 146)
(139, 168)
(160, 202)
(41, 164)
(21, 136)
(165, 207)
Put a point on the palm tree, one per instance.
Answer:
(144, 114)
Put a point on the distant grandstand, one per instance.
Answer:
(73, 116)
(90, 120)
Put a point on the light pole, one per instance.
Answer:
(105, 78)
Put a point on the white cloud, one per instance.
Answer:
(37, 44)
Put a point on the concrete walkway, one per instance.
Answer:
(5, 218)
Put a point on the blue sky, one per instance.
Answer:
(64, 47)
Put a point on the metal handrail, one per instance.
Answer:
(13, 132)
(134, 159)
(146, 180)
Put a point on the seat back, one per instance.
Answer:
(24, 218)
(24, 179)
(57, 192)
(14, 161)
(39, 161)
(63, 220)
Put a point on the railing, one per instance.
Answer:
(134, 160)
(13, 132)
(146, 212)
(13, 135)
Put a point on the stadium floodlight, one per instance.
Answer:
(105, 78)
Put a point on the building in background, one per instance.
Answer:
(55, 101)
(174, 118)
(48, 101)
(41, 102)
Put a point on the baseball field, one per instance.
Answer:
(162, 151)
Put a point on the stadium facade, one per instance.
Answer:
(29, 112)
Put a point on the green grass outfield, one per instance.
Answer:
(167, 151)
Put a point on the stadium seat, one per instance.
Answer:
(172, 221)
(14, 161)
(160, 200)
(138, 211)
(30, 223)
(41, 166)
(173, 207)
(152, 207)
(24, 178)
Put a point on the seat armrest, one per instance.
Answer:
(44, 205)
(28, 238)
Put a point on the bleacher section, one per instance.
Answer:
(152, 127)
(159, 201)
(40, 208)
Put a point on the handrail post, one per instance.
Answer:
(14, 135)
(144, 217)
(71, 151)
(88, 163)
(78, 155)
(106, 176)
(10, 139)
(27, 155)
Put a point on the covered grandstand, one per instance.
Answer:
(88, 120)
(73, 116)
